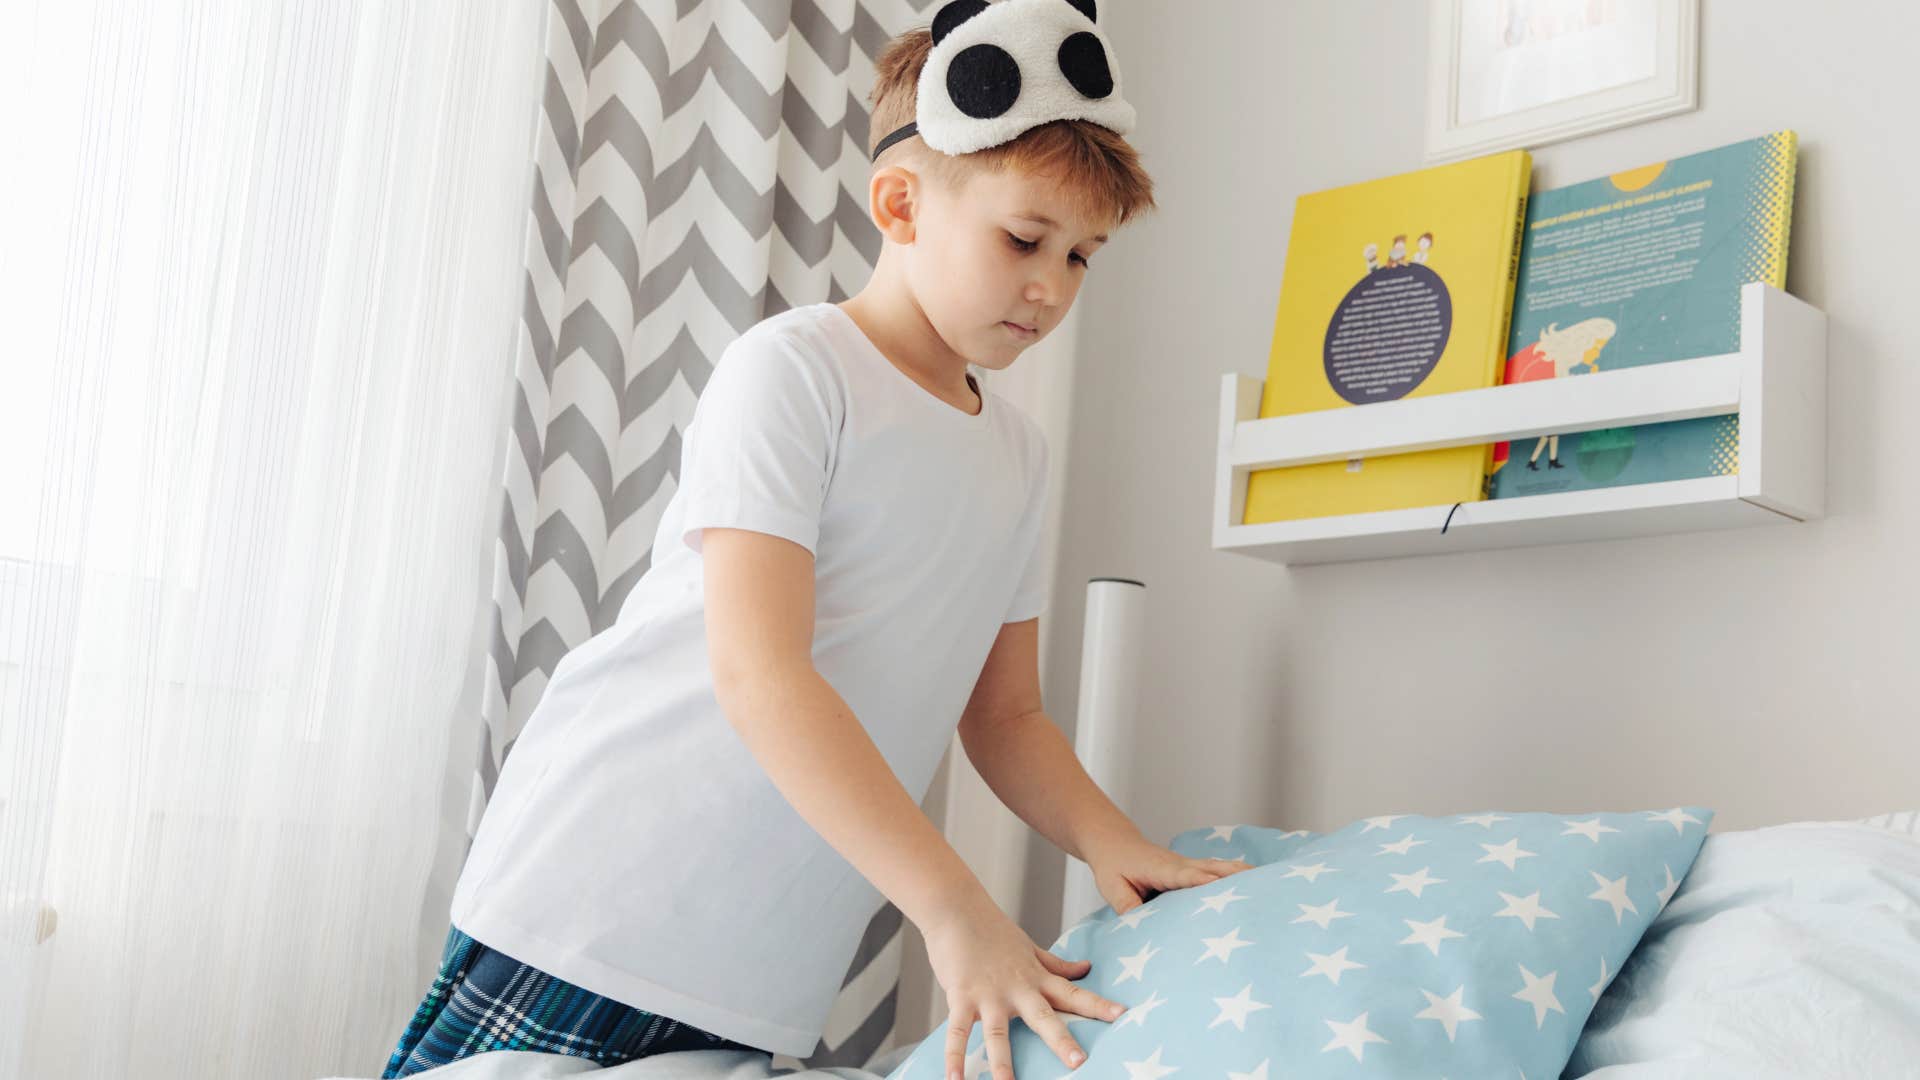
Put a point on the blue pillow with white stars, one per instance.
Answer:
(1464, 946)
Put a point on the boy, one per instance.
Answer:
(715, 793)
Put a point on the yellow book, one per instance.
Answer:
(1393, 288)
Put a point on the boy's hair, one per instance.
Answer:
(1099, 169)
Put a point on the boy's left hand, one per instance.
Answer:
(1129, 872)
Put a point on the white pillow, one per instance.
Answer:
(1791, 951)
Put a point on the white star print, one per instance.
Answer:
(1401, 846)
(1507, 853)
(1310, 872)
(1218, 901)
(1485, 821)
(1430, 934)
(1222, 832)
(1384, 821)
(1135, 966)
(1448, 1010)
(1259, 1073)
(1614, 893)
(1538, 992)
(1676, 817)
(976, 1063)
(1288, 836)
(1352, 1035)
(1589, 829)
(1666, 894)
(1330, 964)
(1150, 1069)
(1415, 882)
(1223, 946)
(1132, 919)
(1596, 988)
(1235, 1009)
(1526, 909)
(1139, 1013)
(1323, 914)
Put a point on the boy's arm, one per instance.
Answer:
(759, 609)
(759, 612)
(1024, 757)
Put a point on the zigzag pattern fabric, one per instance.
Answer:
(699, 165)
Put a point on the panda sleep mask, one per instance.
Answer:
(999, 69)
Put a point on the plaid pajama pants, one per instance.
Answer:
(484, 1000)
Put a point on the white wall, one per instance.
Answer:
(1768, 673)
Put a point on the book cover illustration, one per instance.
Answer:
(1643, 267)
(1393, 288)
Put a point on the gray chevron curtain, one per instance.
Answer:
(700, 165)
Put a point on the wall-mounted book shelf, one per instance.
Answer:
(1776, 383)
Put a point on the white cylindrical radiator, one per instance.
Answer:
(1110, 656)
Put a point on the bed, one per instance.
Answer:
(1786, 951)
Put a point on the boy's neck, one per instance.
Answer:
(899, 328)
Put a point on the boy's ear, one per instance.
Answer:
(893, 203)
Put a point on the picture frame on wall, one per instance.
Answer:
(1507, 74)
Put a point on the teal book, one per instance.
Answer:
(1643, 267)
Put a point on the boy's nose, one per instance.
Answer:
(1046, 287)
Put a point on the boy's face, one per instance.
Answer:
(997, 264)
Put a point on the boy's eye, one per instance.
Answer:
(1028, 245)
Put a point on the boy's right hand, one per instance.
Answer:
(991, 970)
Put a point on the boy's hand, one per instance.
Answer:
(990, 969)
(1129, 871)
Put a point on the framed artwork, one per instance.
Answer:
(1506, 74)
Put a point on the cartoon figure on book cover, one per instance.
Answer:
(1559, 352)
(1398, 256)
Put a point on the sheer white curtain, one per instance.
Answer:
(260, 273)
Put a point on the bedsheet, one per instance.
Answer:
(1791, 953)
(688, 1065)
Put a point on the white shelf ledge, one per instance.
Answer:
(1776, 384)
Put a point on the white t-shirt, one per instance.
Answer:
(633, 845)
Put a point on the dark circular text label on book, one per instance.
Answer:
(1387, 335)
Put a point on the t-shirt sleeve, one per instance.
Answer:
(759, 450)
(1030, 596)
